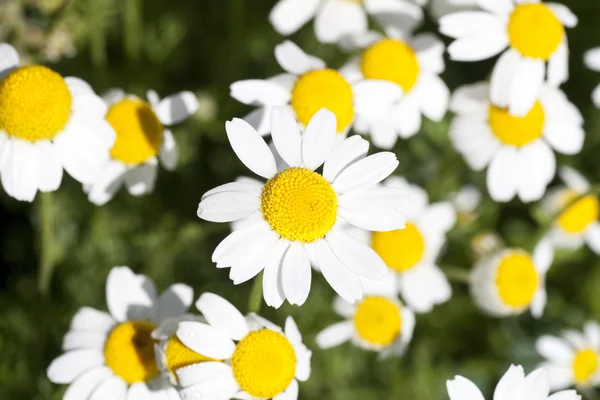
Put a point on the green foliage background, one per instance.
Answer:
(204, 45)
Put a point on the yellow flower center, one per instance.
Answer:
(578, 216)
(517, 279)
(391, 60)
(129, 351)
(139, 132)
(584, 365)
(517, 131)
(325, 88)
(534, 31)
(35, 103)
(264, 363)
(299, 204)
(178, 355)
(401, 249)
(377, 320)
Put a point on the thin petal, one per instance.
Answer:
(554, 349)
(478, 46)
(526, 85)
(356, 256)
(259, 92)
(503, 174)
(296, 274)
(228, 206)
(205, 340)
(290, 15)
(176, 108)
(345, 282)
(337, 19)
(366, 172)
(140, 180)
(9, 59)
(345, 154)
(335, 334)
(86, 384)
(318, 139)
(174, 301)
(250, 148)
(128, 295)
(286, 135)
(461, 388)
(20, 172)
(222, 315)
(114, 388)
(66, 368)
(51, 170)
(295, 61)
(169, 151)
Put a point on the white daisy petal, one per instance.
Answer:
(501, 7)
(371, 96)
(291, 331)
(289, 15)
(554, 349)
(596, 96)
(215, 385)
(374, 209)
(273, 292)
(525, 86)
(565, 395)
(251, 148)
(573, 179)
(67, 367)
(21, 170)
(434, 96)
(335, 334)
(468, 23)
(318, 139)
(407, 118)
(538, 166)
(296, 274)
(337, 19)
(86, 384)
(503, 174)
(470, 99)
(564, 14)
(356, 256)
(114, 388)
(536, 385)
(561, 377)
(461, 388)
(558, 65)
(592, 237)
(294, 60)
(592, 333)
(502, 76)
(384, 135)
(128, 296)
(108, 184)
(236, 237)
(592, 59)
(345, 154)
(430, 52)
(89, 319)
(510, 383)
(366, 172)
(286, 135)
(478, 45)
(439, 218)
(345, 282)
(424, 287)
(222, 315)
(564, 137)
(228, 206)
(169, 151)
(538, 304)
(51, 170)
(140, 180)
(84, 340)
(176, 108)
(9, 58)
(78, 86)
(202, 372)
(174, 301)
(259, 92)
(543, 255)
(343, 308)
(205, 340)
(291, 393)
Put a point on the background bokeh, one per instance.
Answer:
(203, 46)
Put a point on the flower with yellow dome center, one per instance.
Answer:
(517, 151)
(112, 355)
(308, 86)
(260, 360)
(48, 124)
(573, 359)
(297, 213)
(534, 33)
(142, 140)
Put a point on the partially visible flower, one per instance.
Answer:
(466, 201)
(592, 61)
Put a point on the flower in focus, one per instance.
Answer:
(573, 359)
(141, 137)
(48, 123)
(534, 33)
(112, 356)
(378, 322)
(592, 61)
(512, 280)
(516, 150)
(292, 219)
(262, 362)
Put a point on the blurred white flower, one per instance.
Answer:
(592, 61)
(439, 8)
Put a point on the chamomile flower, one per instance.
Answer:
(516, 150)
(308, 86)
(111, 356)
(378, 322)
(513, 385)
(260, 361)
(296, 212)
(142, 136)
(335, 19)
(592, 61)
(573, 359)
(534, 33)
(512, 280)
(48, 123)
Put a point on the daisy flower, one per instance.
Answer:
(534, 33)
(260, 361)
(308, 86)
(335, 19)
(295, 213)
(510, 281)
(142, 135)
(592, 61)
(516, 150)
(111, 356)
(513, 385)
(48, 123)
(573, 359)
(378, 322)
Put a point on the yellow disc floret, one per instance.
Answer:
(517, 131)
(401, 249)
(178, 355)
(129, 351)
(35, 103)
(377, 320)
(517, 279)
(391, 60)
(579, 215)
(139, 132)
(299, 204)
(534, 31)
(585, 365)
(325, 88)
(264, 363)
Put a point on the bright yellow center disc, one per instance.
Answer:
(179, 355)
(391, 60)
(517, 279)
(377, 320)
(35, 103)
(578, 216)
(534, 31)
(584, 365)
(517, 131)
(401, 249)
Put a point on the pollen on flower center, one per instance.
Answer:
(178, 355)
(578, 216)
(585, 365)
(401, 249)
(517, 131)
(299, 204)
(139, 132)
(129, 351)
(325, 88)
(517, 279)
(35, 103)
(391, 60)
(534, 31)
(264, 363)
(377, 320)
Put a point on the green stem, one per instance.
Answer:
(256, 295)
(457, 274)
(45, 229)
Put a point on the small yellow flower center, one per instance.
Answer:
(299, 204)
(578, 216)
(517, 279)
(129, 351)
(401, 249)
(377, 320)
(178, 355)
(325, 88)
(264, 363)
(585, 365)
(391, 60)
(517, 131)
(35, 103)
(139, 132)
(534, 31)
